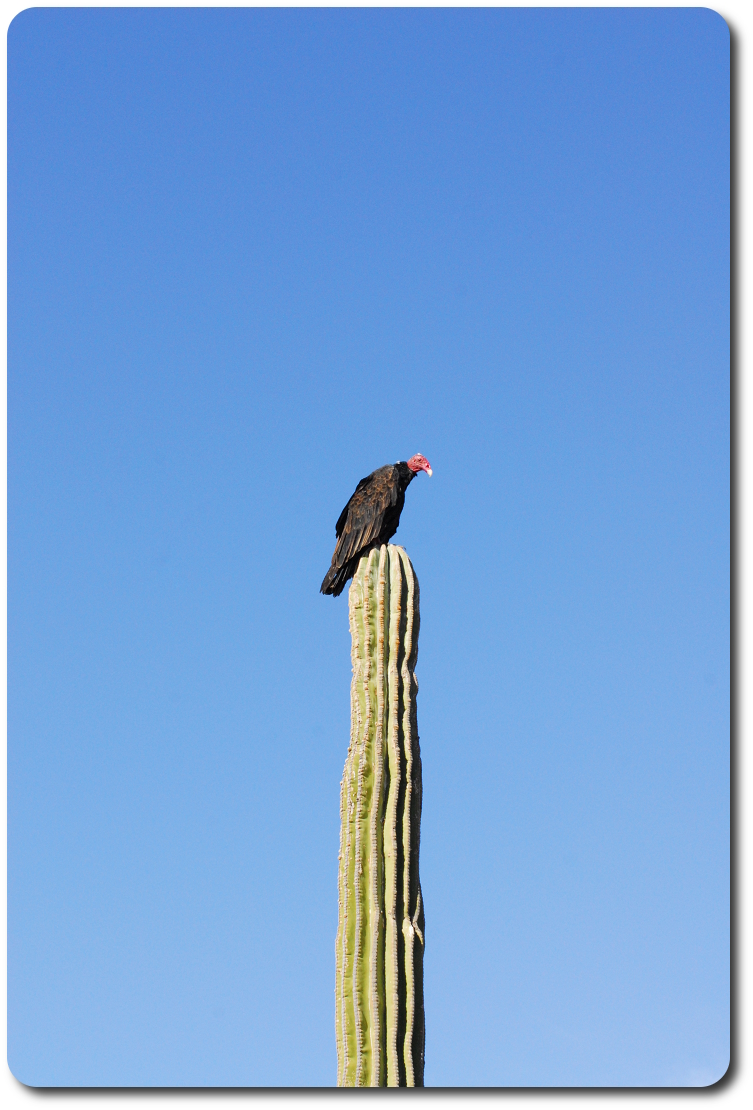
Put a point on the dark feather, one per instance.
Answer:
(344, 514)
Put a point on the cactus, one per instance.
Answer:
(380, 937)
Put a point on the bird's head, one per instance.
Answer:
(419, 462)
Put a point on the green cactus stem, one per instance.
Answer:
(380, 937)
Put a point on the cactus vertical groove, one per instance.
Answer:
(379, 1012)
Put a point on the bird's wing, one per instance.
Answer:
(365, 514)
(344, 514)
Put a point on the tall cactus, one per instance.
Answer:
(380, 937)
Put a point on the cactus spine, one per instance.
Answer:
(379, 1018)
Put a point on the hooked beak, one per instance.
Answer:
(429, 471)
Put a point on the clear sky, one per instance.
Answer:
(253, 256)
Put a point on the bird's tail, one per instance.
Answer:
(335, 579)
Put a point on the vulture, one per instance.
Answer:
(370, 518)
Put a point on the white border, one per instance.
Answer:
(733, 1093)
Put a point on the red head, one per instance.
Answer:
(418, 462)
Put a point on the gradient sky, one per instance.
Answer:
(254, 255)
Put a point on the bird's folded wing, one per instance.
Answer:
(344, 514)
(367, 508)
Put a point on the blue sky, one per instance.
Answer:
(252, 256)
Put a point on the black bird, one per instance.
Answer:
(370, 518)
